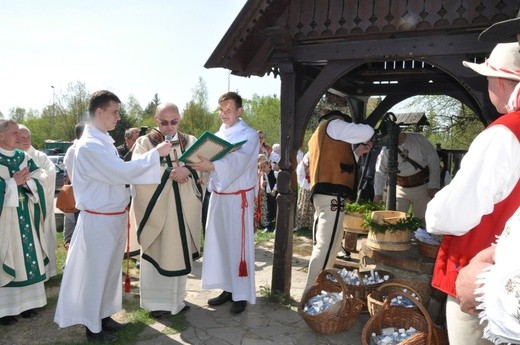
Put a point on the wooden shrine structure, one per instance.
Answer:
(355, 49)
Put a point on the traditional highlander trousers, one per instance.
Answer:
(23, 257)
(167, 220)
(333, 173)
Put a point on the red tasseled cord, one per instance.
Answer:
(127, 278)
(242, 268)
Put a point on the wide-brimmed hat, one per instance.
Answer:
(504, 62)
(502, 32)
(335, 114)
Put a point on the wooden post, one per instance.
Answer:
(286, 182)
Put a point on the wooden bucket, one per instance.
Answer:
(353, 223)
(392, 241)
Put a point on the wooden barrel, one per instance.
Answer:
(389, 240)
(353, 223)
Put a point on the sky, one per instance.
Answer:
(131, 47)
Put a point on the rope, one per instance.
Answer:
(242, 267)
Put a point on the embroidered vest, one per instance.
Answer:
(455, 252)
(332, 164)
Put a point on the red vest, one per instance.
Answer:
(456, 251)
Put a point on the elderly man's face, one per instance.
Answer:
(10, 138)
(168, 121)
(131, 141)
(25, 139)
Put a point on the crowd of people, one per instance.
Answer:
(142, 195)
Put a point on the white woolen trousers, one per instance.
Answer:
(328, 232)
(463, 329)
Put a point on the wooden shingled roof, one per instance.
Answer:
(411, 119)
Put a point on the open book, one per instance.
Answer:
(210, 146)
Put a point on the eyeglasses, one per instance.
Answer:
(227, 111)
(171, 122)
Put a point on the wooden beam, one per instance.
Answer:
(391, 49)
(286, 181)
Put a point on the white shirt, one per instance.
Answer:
(488, 173)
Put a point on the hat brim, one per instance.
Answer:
(485, 70)
(501, 32)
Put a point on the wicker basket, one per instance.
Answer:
(362, 291)
(399, 317)
(376, 299)
(428, 250)
(422, 288)
(341, 316)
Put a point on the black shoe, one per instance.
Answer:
(101, 337)
(8, 320)
(185, 308)
(28, 313)
(238, 307)
(221, 299)
(157, 314)
(110, 325)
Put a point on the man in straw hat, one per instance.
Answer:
(498, 293)
(473, 209)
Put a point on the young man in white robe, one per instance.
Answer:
(43, 162)
(229, 253)
(22, 213)
(91, 287)
(166, 218)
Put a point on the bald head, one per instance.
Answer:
(167, 117)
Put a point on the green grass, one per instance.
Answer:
(138, 318)
(263, 236)
(277, 297)
(303, 232)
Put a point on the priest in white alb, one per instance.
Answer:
(43, 162)
(22, 213)
(91, 288)
(229, 250)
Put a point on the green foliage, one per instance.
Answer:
(362, 207)
(18, 114)
(452, 124)
(303, 232)
(133, 109)
(277, 297)
(261, 236)
(149, 111)
(197, 118)
(263, 113)
(409, 223)
(119, 132)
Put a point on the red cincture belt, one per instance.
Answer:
(106, 213)
(242, 267)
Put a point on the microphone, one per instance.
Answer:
(168, 138)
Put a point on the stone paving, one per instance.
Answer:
(262, 323)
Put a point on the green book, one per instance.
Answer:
(210, 146)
